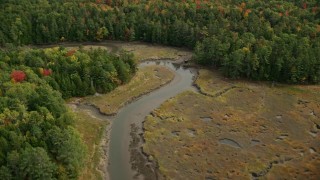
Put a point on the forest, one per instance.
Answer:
(258, 40)
(37, 135)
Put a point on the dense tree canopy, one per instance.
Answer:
(29, 111)
(262, 40)
(73, 73)
(37, 137)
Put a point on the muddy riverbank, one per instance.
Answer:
(139, 107)
(122, 144)
(135, 113)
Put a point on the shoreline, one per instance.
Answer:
(100, 148)
(104, 148)
(105, 140)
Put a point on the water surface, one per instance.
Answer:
(135, 112)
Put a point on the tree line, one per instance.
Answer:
(261, 40)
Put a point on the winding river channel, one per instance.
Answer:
(119, 156)
(124, 160)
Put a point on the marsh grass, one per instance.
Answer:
(143, 51)
(146, 80)
(282, 120)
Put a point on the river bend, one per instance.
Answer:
(119, 157)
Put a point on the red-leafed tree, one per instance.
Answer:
(304, 5)
(198, 4)
(47, 72)
(18, 76)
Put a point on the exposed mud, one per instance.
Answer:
(144, 165)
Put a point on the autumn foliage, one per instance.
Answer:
(18, 76)
(70, 53)
(45, 72)
(304, 5)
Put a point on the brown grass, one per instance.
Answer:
(146, 51)
(211, 83)
(141, 51)
(275, 127)
(92, 131)
(146, 80)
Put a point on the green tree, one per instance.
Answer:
(102, 33)
(35, 163)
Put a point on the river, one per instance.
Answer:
(119, 165)
(119, 156)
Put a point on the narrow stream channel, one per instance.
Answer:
(119, 156)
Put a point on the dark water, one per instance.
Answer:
(230, 142)
(135, 112)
